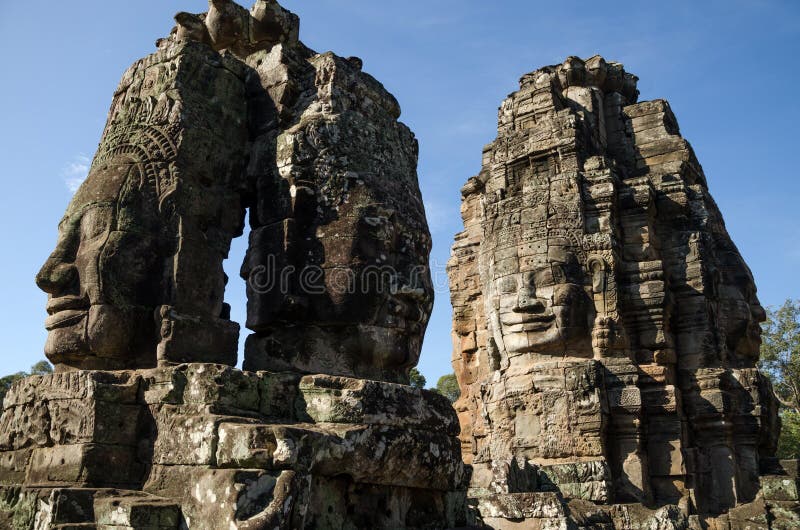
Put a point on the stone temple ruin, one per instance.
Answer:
(146, 424)
(606, 327)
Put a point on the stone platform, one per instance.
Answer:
(211, 447)
(777, 507)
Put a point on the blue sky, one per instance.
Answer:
(728, 68)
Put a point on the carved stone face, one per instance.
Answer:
(531, 264)
(357, 299)
(741, 312)
(100, 277)
(339, 215)
(388, 293)
(542, 307)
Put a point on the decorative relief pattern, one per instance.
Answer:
(602, 316)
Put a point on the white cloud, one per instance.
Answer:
(75, 172)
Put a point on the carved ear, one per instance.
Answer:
(169, 223)
(598, 269)
(192, 27)
(187, 20)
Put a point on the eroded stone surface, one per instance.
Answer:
(605, 326)
(231, 112)
(337, 266)
(234, 112)
(197, 444)
(327, 399)
(136, 277)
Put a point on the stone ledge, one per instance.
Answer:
(329, 399)
(213, 429)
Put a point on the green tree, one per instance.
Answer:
(780, 353)
(780, 361)
(7, 381)
(789, 442)
(40, 368)
(417, 379)
(448, 387)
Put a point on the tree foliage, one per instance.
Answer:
(40, 368)
(7, 381)
(780, 361)
(780, 353)
(417, 379)
(448, 387)
(789, 442)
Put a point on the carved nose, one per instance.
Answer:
(528, 302)
(56, 277)
(759, 313)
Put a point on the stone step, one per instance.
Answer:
(101, 509)
(135, 511)
(69, 507)
(782, 488)
(373, 454)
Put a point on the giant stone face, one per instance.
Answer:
(604, 322)
(337, 267)
(136, 278)
(101, 279)
(532, 266)
(357, 297)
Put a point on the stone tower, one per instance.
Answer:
(146, 425)
(606, 329)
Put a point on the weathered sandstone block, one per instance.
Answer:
(205, 447)
(605, 326)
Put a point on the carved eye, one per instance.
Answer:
(96, 222)
(559, 273)
(544, 277)
(507, 285)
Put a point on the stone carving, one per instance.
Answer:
(136, 276)
(206, 446)
(606, 328)
(143, 426)
(337, 268)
